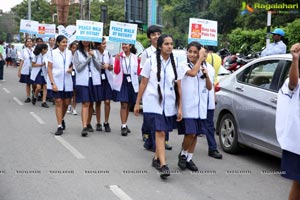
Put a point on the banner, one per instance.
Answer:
(203, 31)
(89, 31)
(122, 32)
(46, 30)
(29, 26)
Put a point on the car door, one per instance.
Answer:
(256, 104)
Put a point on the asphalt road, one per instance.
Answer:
(36, 165)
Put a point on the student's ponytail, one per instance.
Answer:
(158, 74)
(176, 76)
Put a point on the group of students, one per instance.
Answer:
(176, 95)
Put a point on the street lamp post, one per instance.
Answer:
(103, 15)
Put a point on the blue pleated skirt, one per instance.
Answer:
(156, 122)
(91, 93)
(39, 79)
(188, 126)
(59, 94)
(127, 93)
(106, 90)
(25, 79)
(290, 165)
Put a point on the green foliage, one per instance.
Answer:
(142, 38)
(292, 32)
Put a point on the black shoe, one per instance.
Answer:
(155, 163)
(128, 130)
(145, 136)
(107, 127)
(182, 161)
(168, 147)
(84, 132)
(63, 124)
(28, 100)
(215, 154)
(148, 147)
(59, 131)
(191, 166)
(33, 100)
(98, 127)
(124, 131)
(164, 172)
(89, 128)
(44, 105)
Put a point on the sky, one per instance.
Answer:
(6, 5)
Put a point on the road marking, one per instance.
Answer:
(119, 192)
(37, 118)
(18, 101)
(6, 90)
(76, 153)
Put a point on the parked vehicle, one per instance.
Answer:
(246, 105)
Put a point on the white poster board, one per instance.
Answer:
(29, 26)
(46, 30)
(122, 32)
(89, 31)
(203, 31)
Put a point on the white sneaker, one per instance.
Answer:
(74, 112)
(69, 110)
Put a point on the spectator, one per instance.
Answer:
(278, 47)
(2, 60)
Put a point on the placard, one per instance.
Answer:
(122, 32)
(89, 31)
(203, 31)
(29, 26)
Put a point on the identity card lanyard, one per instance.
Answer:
(103, 74)
(128, 69)
(30, 58)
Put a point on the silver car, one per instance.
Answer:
(246, 105)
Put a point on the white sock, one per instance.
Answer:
(59, 126)
(124, 125)
(189, 157)
(185, 153)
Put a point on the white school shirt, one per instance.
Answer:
(26, 56)
(60, 65)
(82, 78)
(150, 97)
(106, 58)
(39, 59)
(132, 70)
(147, 53)
(274, 48)
(194, 94)
(288, 118)
(211, 93)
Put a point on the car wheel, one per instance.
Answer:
(228, 134)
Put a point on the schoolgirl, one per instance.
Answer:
(88, 82)
(25, 67)
(126, 84)
(38, 73)
(161, 92)
(195, 84)
(59, 80)
(72, 106)
(106, 85)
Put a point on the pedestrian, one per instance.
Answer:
(59, 81)
(106, 75)
(8, 55)
(126, 84)
(195, 85)
(2, 60)
(25, 67)
(38, 73)
(88, 82)
(277, 47)
(72, 106)
(288, 124)
(213, 64)
(153, 33)
(160, 91)
(14, 55)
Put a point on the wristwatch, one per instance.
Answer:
(52, 83)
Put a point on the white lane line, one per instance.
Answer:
(18, 101)
(74, 151)
(119, 192)
(6, 90)
(37, 118)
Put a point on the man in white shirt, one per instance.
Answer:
(278, 47)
